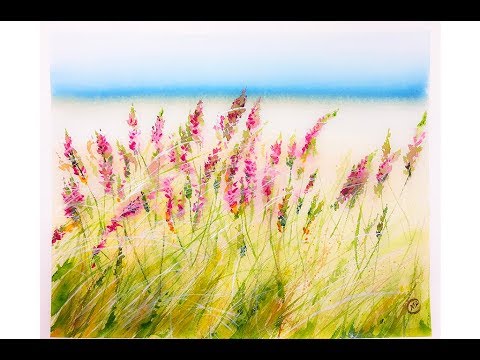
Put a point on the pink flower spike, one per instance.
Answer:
(414, 149)
(57, 235)
(276, 152)
(71, 154)
(72, 199)
(157, 131)
(311, 135)
(134, 140)
(103, 146)
(98, 248)
(253, 120)
(268, 181)
(195, 120)
(355, 182)
(132, 117)
(132, 208)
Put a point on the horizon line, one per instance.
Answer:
(416, 91)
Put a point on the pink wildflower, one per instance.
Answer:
(268, 181)
(234, 114)
(209, 166)
(180, 206)
(103, 146)
(106, 163)
(168, 192)
(132, 208)
(254, 117)
(311, 181)
(276, 152)
(75, 160)
(173, 154)
(355, 182)
(195, 121)
(132, 117)
(127, 159)
(385, 166)
(233, 166)
(232, 197)
(250, 178)
(311, 136)
(415, 148)
(157, 131)
(72, 199)
(57, 235)
(134, 133)
(134, 140)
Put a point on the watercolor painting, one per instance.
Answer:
(239, 180)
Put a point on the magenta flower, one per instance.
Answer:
(132, 117)
(234, 114)
(268, 181)
(209, 166)
(250, 178)
(253, 119)
(75, 160)
(103, 146)
(134, 140)
(106, 162)
(127, 159)
(173, 153)
(195, 120)
(232, 168)
(232, 197)
(57, 235)
(276, 150)
(72, 198)
(168, 192)
(180, 206)
(134, 133)
(311, 136)
(385, 166)
(157, 131)
(355, 183)
(132, 208)
(311, 181)
(414, 149)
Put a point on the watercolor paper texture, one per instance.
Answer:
(239, 180)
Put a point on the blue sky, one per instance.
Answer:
(222, 59)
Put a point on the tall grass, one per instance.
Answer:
(170, 236)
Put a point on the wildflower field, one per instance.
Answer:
(170, 235)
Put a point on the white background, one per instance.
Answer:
(20, 186)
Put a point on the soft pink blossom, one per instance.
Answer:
(253, 120)
(195, 120)
(355, 182)
(157, 131)
(311, 135)
(134, 140)
(72, 198)
(276, 150)
(75, 160)
(132, 117)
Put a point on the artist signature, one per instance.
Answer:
(413, 306)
